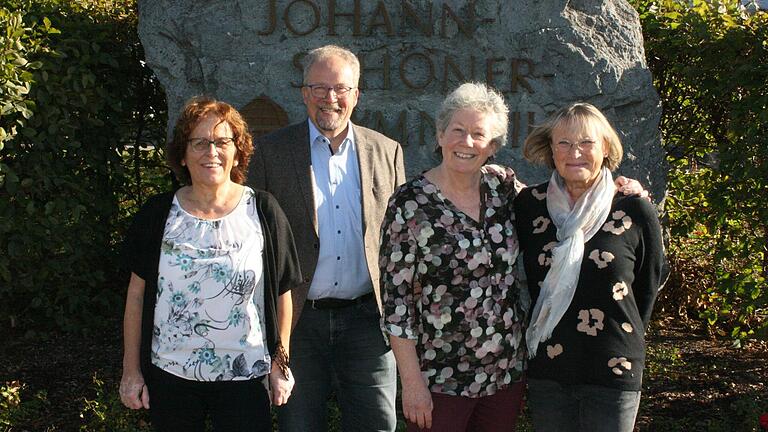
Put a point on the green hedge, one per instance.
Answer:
(709, 61)
(76, 101)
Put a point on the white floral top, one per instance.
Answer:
(210, 296)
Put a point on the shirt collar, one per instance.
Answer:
(314, 134)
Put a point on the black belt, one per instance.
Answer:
(334, 303)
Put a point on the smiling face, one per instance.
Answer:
(466, 142)
(212, 166)
(331, 114)
(578, 150)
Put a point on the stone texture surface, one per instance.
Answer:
(540, 54)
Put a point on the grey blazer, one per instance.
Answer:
(281, 164)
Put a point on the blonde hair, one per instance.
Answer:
(538, 146)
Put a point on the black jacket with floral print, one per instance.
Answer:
(600, 339)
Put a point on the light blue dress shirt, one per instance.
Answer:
(342, 271)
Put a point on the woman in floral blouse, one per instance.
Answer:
(594, 262)
(208, 310)
(451, 304)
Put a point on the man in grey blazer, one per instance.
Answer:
(333, 179)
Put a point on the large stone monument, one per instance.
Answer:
(541, 54)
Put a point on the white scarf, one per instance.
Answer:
(575, 226)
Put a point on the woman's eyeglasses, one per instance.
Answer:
(567, 146)
(199, 145)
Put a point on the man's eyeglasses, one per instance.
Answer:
(566, 146)
(321, 91)
(199, 145)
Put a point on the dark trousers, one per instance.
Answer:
(495, 413)
(341, 351)
(559, 407)
(178, 404)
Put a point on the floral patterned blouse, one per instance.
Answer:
(210, 296)
(600, 339)
(449, 282)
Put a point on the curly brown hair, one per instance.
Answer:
(195, 110)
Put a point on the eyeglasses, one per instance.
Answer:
(566, 146)
(321, 91)
(199, 145)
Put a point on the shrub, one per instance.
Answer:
(709, 60)
(85, 107)
(18, 406)
(105, 412)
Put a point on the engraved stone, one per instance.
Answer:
(541, 54)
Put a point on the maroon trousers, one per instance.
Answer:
(495, 413)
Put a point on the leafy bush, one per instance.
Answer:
(105, 412)
(18, 44)
(18, 406)
(709, 60)
(84, 107)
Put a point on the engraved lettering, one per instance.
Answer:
(315, 18)
(297, 63)
(380, 18)
(410, 14)
(426, 64)
(513, 137)
(450, 66)
(271, 19)
(467, 27)
(355, 15)
(398, 131)
(426, 128)
(519, 78)
(531, 122)
(491, 71)
(366, 69)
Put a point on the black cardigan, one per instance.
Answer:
(600, 339)
(142, 249)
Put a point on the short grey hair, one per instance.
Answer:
(481, 98)
(327, 51)
(537, 148)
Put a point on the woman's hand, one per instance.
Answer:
(417, 401)
(417, 404)
(280, 385)
(133, 391)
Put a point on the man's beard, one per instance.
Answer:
(329, 123)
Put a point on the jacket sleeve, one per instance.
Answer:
(651, 269)
(399, 167)
(399, 277)
(287, 271)
(136, 256)
(257, 176)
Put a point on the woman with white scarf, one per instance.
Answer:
(594, 262)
